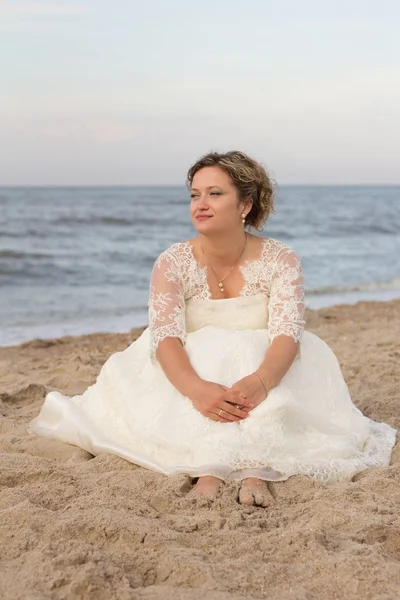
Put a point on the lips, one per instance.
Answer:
(203, 217)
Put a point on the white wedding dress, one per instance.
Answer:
(307, 425)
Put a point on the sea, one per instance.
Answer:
(77, 260)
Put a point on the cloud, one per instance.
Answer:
(326, 27)
(22, 9)
(78, 130)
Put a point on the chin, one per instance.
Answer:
(203, 226)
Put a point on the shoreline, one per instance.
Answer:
(104, 527)
(125, 323)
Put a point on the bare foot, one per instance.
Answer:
(255, 492)
(207, 486)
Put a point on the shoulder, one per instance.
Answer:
(280, 256)
(273, 249)
(173, 255)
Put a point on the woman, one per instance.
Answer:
(225, 383)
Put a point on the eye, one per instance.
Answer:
(193, 195)
(215, 194)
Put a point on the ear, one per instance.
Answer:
(247, 203)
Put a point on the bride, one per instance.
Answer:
(224, 383)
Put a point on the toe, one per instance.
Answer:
(265, 498)
(247, 499)
(246, 496)
(262, 499)
(259, 498)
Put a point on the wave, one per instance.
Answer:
(390, 229)
(284, 234)
(22, 234)
(393, 284)
(17, 334)
(345, 231)
(17, 254)
(106, 220)
(90, 220)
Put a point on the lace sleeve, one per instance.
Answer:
(286, 303)
(166, 302)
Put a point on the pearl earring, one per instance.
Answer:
(243, 215)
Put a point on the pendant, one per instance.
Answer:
(221, 286)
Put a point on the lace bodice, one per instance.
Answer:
(178, 278)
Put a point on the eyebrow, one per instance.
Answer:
(207, 188)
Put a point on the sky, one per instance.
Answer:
(132, 92)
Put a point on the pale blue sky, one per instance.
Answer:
(132, 92)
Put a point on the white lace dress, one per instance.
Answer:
(307, 424)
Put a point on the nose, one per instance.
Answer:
(202, 202)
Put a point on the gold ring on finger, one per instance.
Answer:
(220, 412)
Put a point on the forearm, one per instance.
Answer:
(175, 363)
(278, 360)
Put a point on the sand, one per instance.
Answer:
(77, 526)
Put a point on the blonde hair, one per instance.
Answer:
(249, 177)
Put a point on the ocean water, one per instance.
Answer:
(78, 260)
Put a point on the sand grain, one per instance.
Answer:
(74, 526)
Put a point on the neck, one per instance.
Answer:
(223, 249)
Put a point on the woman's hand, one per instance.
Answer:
(219, 403)
(252, 388)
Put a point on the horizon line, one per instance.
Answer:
(176, 185)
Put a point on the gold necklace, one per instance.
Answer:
(221, 281)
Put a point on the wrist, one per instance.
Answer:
(263, 377)
(194, 386)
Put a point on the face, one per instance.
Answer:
(214, 196)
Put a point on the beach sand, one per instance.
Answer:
(77, 526)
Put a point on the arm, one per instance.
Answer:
(167, 324)
(277, 362)
(176, 365)
(286, 323)
(167, 339)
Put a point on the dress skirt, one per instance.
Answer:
(307, 425)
